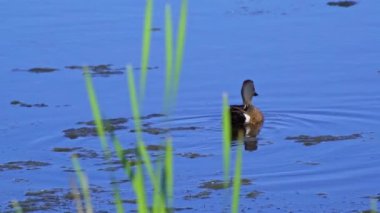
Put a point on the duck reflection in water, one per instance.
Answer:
(246, 134)
(246, 119)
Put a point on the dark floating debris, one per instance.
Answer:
(130, 156)
(110, 121)
(155, 29)
(64, 105)
(133, 151)
(177, 209)
(101, 70)
(114, 165)
(215, 185)
(153, 115)
(23, 104)
(110, 125)
(54, 200)
(172, 209)
(120, 181)
(159, 131)
(322, 194)
(66, 149)
(40, 200)
(200, 195)
(375, 197)
(42, 70)
(254, 194)
(369, 211)
(246, 11)
(219, 184)
(309, 163)
(313, 140)
(342, 3)
(131, 201)
(148, 68)
(155, 147)
(74, 133)
(36, 70)
(86, 154)
(19, 165)
(192, 155)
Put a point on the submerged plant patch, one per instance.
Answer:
(23, 104)
(342, 3)
(313, 140)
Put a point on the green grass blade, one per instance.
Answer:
(96, 111)
(83, 184)
(180, 43)
(226, 138)
(374, 205)
(146, 45)
(237, 179)
(120, 154)
(16, 207)
(146, 159)
(137, 177)
(136, 116)
(134, 102)
(116, 191)
(76, 196)
(158, 196)
(169, 54)
(169, 172)
(117, 198)
(138, 184)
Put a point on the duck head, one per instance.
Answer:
(247, 92)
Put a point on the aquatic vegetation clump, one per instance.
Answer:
(342, 3)
(313, 140)
(23, 104)
(22, 165)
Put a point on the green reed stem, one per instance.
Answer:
(138, 185)
(146, 45)
(16, 207)
(118, 200)
(83, 181)
(169, 54)
(96, 111)
(120, 154)
(374, 205)
(136, 117)
(169, 171)
(76, 196)
(180, 44)
(237, 179)
(226, 139)
(134, 102)
(136, 177)
(158, 196)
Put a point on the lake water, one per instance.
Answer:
(316, 68)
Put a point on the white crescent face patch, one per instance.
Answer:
(247, 118)
(247, 130)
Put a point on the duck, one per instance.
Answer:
(247, 117)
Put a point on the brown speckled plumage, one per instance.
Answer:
(240, 113)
